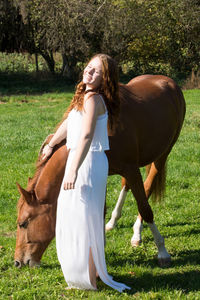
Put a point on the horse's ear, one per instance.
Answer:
(28, 196)
(29, 179)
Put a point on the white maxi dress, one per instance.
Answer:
(80, 211)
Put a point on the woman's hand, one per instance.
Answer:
(46, 151)
(69, 181)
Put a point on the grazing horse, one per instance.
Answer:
(151, 117)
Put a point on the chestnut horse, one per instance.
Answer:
(151, 117)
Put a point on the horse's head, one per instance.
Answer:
(37, 209)
(35, 228)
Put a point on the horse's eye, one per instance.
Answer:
(24, 224)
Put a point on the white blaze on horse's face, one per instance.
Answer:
(92, 75)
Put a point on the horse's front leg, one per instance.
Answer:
(136, 239)
(135, 183)
(164, 258)
(116, 213)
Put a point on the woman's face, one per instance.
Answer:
(92, 75)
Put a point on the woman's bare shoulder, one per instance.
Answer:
(91, 97)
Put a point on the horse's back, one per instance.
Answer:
(160, 94)
(152, 113)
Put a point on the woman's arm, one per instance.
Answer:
(90, 114)
(60, 135)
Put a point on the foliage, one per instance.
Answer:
(26, 124)
(152, 36)
(64, 26)
(25, 63)
(8, 20)
(19, 63)
(168, 40)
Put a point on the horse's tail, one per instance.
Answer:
(159, 182)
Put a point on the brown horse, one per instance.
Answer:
(152, 114)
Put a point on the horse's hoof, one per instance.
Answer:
(136, 243)
(109, 226)
(164, 262)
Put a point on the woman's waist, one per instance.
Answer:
(95, 158)
(94, 147)
(90, 152)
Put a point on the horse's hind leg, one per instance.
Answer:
(116, 213)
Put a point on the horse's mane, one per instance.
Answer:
(40, 163)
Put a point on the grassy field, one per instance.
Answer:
(25, 120)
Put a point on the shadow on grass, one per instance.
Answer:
(50, 266)
(187, 281)
(191, 257)
(147, 282)
(187, 222)
(185, 233)
(24, 83)
(137, 258)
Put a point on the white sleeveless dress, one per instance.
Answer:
(80, 211)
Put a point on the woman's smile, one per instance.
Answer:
(92, 75)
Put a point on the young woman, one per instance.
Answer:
(80, 210)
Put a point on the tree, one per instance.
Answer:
(12, 29)
(65, 26)
(169, 38)
(154, 36)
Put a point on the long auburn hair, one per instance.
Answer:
(109, 89)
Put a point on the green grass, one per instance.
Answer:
(25, 120)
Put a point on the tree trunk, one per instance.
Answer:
(65, 66)
(69, 67)
(36, 63)
(49, 60)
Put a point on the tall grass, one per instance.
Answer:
(26, 63)
(25, 121)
